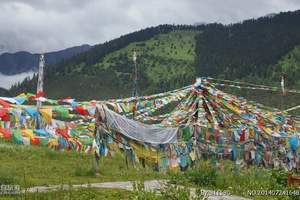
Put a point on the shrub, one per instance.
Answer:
(280, 176)
(203, 175)
(79, 171)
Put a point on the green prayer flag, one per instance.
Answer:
(17, 136)
(62, 111)
(186, 133)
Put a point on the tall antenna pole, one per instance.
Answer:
(40, 83)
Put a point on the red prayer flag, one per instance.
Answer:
(81, 110)
(243, 136)
(4, 104)
(5, 133)
(35, 141)
(4, 115)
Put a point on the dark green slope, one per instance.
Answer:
(248, 50)
(289, 65)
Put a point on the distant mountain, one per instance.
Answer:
(19, 62)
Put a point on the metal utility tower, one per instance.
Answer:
(40, 83)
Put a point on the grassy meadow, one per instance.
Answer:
(29, 166)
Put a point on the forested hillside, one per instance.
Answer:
(165, 60)
(289, 65)
(255, 50)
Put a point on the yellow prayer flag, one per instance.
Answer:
(47, 114)
(28, 133)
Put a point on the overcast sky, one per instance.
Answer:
(47, 25)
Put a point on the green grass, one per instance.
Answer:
(235, 181)
(179, 45)
(74, 194)
(29, 166)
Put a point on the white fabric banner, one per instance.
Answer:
(139, 131)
